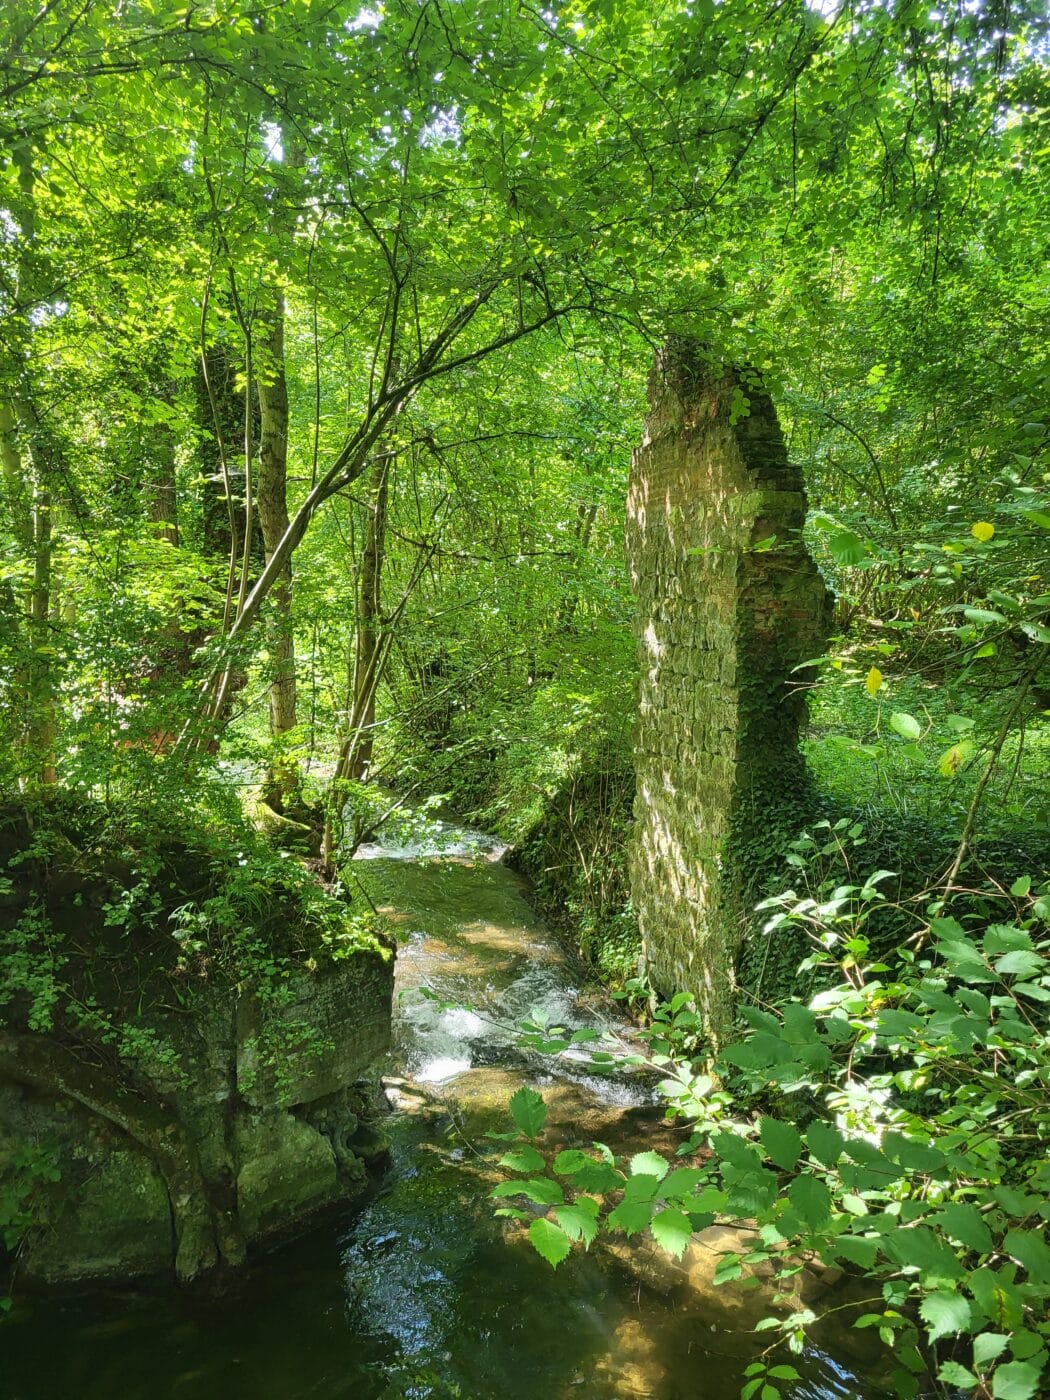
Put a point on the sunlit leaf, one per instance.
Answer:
(672, 1231)
(907, 726)
(528, 1111)
(945, 1314)
(549, 1241)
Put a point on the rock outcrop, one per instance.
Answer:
(189, 1038)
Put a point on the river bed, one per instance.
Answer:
(421, 1292)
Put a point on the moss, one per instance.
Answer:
(289, 1171)
(111, 1220)
(166, 985)
(575, 858)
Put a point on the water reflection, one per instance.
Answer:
(422, 1293)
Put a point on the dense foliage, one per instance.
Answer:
(895, 1124)
(323, 349)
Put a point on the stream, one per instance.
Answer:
(420, 1291)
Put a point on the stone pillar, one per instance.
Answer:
(728, 603)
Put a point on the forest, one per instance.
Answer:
(470, 925)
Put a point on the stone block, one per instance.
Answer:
(328, 1030)
(112, 1221)
(287, 1171)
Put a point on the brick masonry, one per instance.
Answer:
(720, 626)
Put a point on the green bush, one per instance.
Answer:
(896, 1126)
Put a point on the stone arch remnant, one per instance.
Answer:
(728, 603)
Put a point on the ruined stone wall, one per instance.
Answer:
(722, 619)
(286, 1138)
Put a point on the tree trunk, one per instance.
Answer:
(282, 783)
(42, 718)
(31, 496)
(371, 648)
(161, 494)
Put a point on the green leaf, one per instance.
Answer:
(825, 1142)
(1004, 938)
(733, 1148)
(727, 1270)
(571, 1161)
(951, 760)
(504, 1189)
(538, 1188)
(811, 1200)
(987, 1346)
(996, 1297)
(1021, 963)
(599, 1177)
(681, 1182)
(649, 1164)
(964, 1223)
(1031, 1252)
(919, 1248)
(951, 1373)
(1024, 1344)
(1018, 1203)
(800, 1024)
(918, 1157)
(579, 1220)
(856, 1249)
(758, 1052)
(1017, 1380)
(959, 724)
(641, 1188)
(945, 1314)
(523, 1159)
(907, 726)
(782, 1142)
(631, 1216)
(549, 1241)
(844, 546)
(528, 1111)
(672, 1231)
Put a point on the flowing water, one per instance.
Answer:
(421, 1292)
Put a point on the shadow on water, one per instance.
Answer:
(422, 1293)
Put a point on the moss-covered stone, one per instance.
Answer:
(284, 832)
(112, 1220)
(288, 1172)
(168, 1025)
(728, 604)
